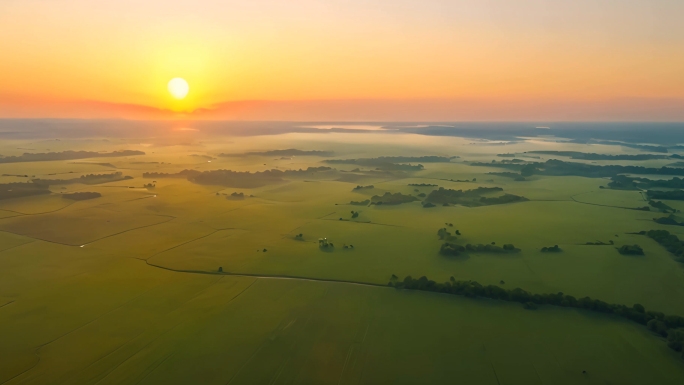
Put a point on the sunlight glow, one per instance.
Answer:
(178, 88)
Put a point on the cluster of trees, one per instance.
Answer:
(666, 183)
(17, 175)
(462, 181)
(236, 196)
(299, 237)
(422, 185)
(600, 243)
(443, 195)
(452, 249)
(668, 241)
(392, 159)
(238, 179)
(324, 244)
(624, 182)
(665, 325)
(391, 163)
(355, 214)
(669, 220)
(445, 235)
(630, 250)
(427, 205)
(676, 195)
(149, 185)
(231, 178)
(181, 174)
(81, 196)
(675, 338)
(492, 248)
(510, 161)
(360, 203)
(359, 187)
(300, 172)
(506, 198)
(662, 207)
(392, 199)
(506, 155)
(66, 155)
(85, 179)
(17, 190)
(248, 179)
(551, 249)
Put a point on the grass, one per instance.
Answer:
(179, 328)
(99, 313)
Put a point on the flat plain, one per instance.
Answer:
(185, 283)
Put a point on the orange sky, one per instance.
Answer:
(344, 59)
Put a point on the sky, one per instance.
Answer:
(344, 59)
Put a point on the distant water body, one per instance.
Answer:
(656, 133)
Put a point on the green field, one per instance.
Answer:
(126, 288)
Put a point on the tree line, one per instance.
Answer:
(669, 241)
(658, 322)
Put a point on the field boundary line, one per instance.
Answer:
(41, 213)
(598, 204)
(94, 240)
(263, 276)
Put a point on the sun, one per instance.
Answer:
(178, 87)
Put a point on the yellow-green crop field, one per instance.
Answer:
(183, 284)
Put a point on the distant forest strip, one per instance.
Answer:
(240, 179)
(392, 163)
(624, 182)
(82, 196)
(676, 195)
(471, 198)
(66, 155)
(555, 167)
(640, 147)
(84, 179)
(391, 159)
(41, 186)
(97, 164)
(665, 325)
(593, 156)
(288, 152)
(389, 199)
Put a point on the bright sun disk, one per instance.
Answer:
(178, 87)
